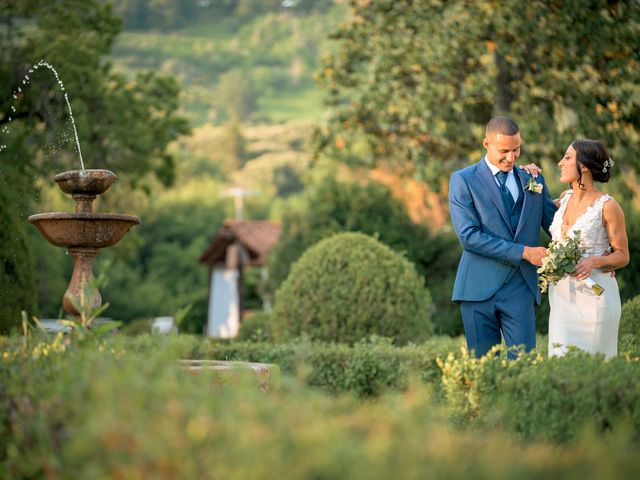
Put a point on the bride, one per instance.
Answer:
(578, 316)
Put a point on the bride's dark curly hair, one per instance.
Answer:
(593, 155)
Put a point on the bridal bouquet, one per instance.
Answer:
(561, 260)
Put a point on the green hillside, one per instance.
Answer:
(274, 53)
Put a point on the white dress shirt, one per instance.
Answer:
(511, 184)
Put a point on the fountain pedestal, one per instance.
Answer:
(82, 275)
(84, 232)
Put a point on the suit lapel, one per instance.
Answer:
(490, 184)
(522, 182)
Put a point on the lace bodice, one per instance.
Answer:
(593, 236)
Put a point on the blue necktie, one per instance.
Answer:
(506, 195)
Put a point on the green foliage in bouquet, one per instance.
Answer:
(350, 286)
(561, 259)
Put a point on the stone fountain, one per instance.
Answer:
(84, 232)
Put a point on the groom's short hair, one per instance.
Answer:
(502, 126)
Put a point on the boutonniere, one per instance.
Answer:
(534, 186)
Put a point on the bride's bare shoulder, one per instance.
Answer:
(611, 208)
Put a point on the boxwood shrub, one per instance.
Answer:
(122, 408)
(350, 286)
(630, 319)
(367, 368)
(540, 398)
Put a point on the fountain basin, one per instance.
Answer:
(83, 229)
(85, 182)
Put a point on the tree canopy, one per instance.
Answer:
(417, 81)
(123, 124)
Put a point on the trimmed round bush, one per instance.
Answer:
(348, 287)
(630, 318)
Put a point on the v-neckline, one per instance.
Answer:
(563, 232)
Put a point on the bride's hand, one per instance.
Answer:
(532, 169)
(584, 268)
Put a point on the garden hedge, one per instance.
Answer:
(540, 398)
(124, 408)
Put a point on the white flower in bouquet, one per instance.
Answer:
(560, 261)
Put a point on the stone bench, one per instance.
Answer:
(226, 372)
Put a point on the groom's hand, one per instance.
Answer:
(534, 255)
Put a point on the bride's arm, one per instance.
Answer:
(613, 218)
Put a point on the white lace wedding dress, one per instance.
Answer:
(578, 316)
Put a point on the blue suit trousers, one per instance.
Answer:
(509, 313)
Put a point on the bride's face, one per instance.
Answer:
(568, 170)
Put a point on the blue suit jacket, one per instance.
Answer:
(482, 225)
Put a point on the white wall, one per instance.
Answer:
(224, 305)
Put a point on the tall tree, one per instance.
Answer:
(417, 81)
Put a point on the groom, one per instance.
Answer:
(497, 214)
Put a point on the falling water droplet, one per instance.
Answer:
(66, 98)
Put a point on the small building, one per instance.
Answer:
(238, 244)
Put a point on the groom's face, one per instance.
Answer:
(502, 150)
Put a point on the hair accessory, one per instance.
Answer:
(608, 163)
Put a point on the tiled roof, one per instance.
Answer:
(257, 236)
